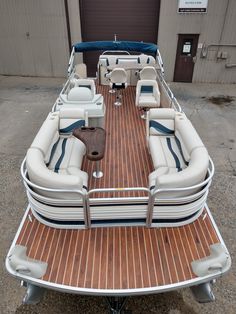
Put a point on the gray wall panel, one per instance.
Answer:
(44, 51)
(209, 26)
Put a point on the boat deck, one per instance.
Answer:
(127, 162)
(118, 258)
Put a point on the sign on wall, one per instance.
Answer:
(192, 6)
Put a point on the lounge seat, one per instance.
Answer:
(81, 93)
(54, 158)
(179, 157)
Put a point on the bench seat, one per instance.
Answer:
(179, 157)
(55, 157)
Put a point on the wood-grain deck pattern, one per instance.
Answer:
(121, 257)
(127, 162)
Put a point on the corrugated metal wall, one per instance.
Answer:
(215, 27)
(33, 38)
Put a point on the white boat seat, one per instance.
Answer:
(147, 94)
(85, 83)
(148, 73)
(118, 81)
(118, 78)
(54, 159)
(80, 94)
(126, 61)
(179, 157)
(146, 60)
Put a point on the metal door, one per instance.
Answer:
(185, 55)
(130, 20)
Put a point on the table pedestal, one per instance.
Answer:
(94, 139)
(97, 173)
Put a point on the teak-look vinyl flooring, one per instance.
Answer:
(127, 162)
(118, 257)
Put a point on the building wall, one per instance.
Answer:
(215, 27)
(33, 38)
(75, 26)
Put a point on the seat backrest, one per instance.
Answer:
(118, 75)
(80, 94)
(86, 83)
(148, 73)
(71, 118)
(128, 61)
(187, 136)
(47, 135)
(161, 121)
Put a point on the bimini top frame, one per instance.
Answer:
(125, 46)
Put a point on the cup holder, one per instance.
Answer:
(94, 153)
(92, 129)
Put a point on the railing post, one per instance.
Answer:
(87, 217)
(150, 207)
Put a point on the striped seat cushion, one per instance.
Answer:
(67, 152)
(166, 152)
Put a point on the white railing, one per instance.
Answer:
(202, 188)
(71, 62)
(151, 199)
(83, 200)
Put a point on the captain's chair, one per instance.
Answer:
(118, 81)
(148, 73)
(147, 95)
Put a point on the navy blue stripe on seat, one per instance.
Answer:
(177, 162)
(159, 127)
(63, 149)
(73, 126)
(181, 150)
(117, 221)
(52, 152)
(146, 89)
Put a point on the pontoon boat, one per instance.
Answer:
(128, 221)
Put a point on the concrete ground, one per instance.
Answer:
(24, 104)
